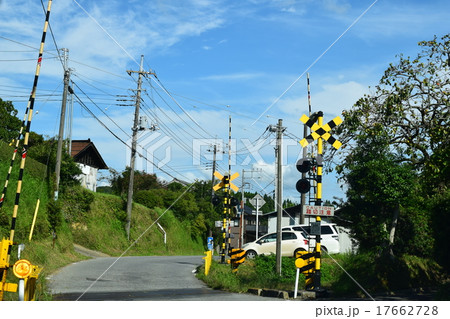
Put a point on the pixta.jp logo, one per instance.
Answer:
(152, 151)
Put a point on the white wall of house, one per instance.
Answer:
(272, 223)
(88, 178)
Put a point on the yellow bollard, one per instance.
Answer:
(208, 260)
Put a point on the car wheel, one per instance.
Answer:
(250, 254)
(297, 250)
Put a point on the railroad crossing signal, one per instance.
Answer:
(225, 181)
(304, 165)
(321, 131)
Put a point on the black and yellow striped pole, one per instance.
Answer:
(319, 163)
(318, 197)
(13, 158)
(225, 183)
(25, 144)
(228, 192)
(225, 219)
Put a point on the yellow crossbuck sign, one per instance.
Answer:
(225, 181)
(321, 131)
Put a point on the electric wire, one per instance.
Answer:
(120, 139)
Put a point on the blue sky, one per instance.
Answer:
(213, 59)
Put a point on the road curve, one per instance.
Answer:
(137, 278)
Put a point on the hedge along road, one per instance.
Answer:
(138, 278)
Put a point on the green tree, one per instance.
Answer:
(396, 151)
(378, 187)
(44, 151)
(142, 181)
(10, 124)
(410, 107)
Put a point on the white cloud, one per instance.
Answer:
(336, 6)
(331, 99)
(233, 77)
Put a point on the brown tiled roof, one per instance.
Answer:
(85, 152)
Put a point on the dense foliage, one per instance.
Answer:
(190, 204)
(10, 124)
(396, 157)
(39, 148)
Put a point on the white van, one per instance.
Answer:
(291, 243)
(329, 236)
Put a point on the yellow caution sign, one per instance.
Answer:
(22, 268)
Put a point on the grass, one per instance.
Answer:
(371, 272)
(93, 220)
(257, 273)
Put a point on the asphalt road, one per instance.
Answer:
(138, 278)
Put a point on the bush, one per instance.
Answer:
(382, 273)
(150, 198)
(54, 214)
(77, 202)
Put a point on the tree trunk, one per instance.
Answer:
(392, 230)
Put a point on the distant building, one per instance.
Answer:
(249, 230)
(290, 216)
(89, 160)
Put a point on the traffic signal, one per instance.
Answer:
(304, 165)
(234, 201)
(216, 200)
(302, 186)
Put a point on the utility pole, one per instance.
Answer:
(135, 130)
(213, 169)
(61, 121)
(70, 120)
(305, 134)
(279, 190)
(242, 219)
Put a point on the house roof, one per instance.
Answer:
(85, 152)
(290, 211)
